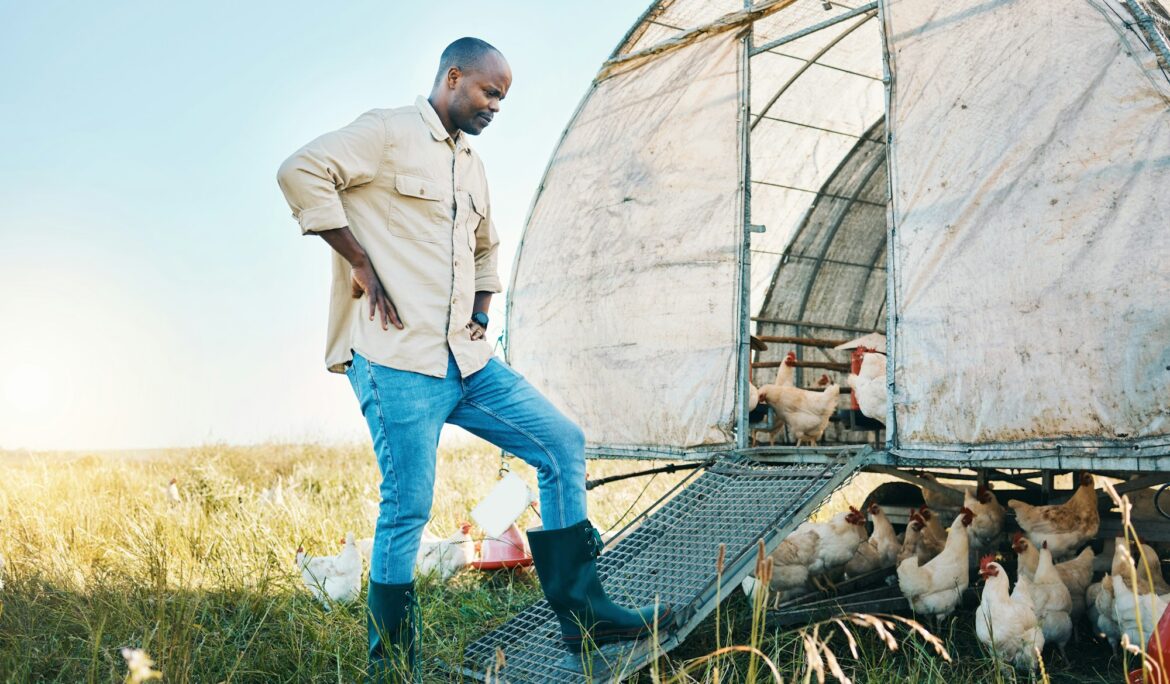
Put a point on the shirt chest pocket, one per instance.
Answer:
(419, 209)
(473, 217)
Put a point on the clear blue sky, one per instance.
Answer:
(155, 290)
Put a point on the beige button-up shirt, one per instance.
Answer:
(417, 202)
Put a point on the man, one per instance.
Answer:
(402, 199)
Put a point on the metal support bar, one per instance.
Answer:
(817, 192)
(1142, 482)
(814, 28)
(813, 60)
(810, 324)
(937, 488)
(823, 365)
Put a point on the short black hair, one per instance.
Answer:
(466, 53)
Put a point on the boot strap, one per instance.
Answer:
(595, 543)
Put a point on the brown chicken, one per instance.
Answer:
(1065, 527)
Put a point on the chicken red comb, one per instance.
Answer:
(966, 511)
(874, 508)
(986, 560)
(853, 509)
(465, 527)
(1017, 537)
(924, 512)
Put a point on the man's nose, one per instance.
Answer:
(494, 105)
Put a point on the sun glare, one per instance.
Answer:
(25, 387)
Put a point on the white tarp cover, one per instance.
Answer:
(1030, 168)
(623, 303)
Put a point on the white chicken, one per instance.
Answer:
(987, 529)
(1099, 600)
(936, 588)
(814, 552)
(445, 557)
(274, 495)
(1134, 603)
(1051, 601)
(333, 578)
(785, 377)
(1006, 623)
(869, 385)
(1066, 527)
(1076, 573)
(880, 550)
(172, 492)
(805, 412)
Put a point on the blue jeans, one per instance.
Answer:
(406, 411)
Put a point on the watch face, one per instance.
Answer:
(480, 318)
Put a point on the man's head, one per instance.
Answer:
(473, 78)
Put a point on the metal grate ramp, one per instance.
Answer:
(670, 556)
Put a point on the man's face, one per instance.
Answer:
(478, 93)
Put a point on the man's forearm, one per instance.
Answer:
(345, 244)
(483, 302)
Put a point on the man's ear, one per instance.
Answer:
(453, 76)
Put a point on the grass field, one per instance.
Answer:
(98, 559)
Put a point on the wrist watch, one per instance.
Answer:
(480, 319)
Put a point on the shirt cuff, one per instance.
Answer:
(488, 282)
(325, 217)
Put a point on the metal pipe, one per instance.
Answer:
(811, 324)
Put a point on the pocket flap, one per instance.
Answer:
(415, 186)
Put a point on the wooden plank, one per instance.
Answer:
(802, 341)
(826, 365)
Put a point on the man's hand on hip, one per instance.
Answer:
(362, 277)
(477, 330)
(365, 281)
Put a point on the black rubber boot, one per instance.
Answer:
(566, 564)
(393, 624)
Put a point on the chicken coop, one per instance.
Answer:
(978, 183)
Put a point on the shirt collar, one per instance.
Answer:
(437, 131)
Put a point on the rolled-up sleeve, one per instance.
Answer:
(314, 175)
(487, 247)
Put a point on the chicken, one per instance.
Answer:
(1006, 623)
(910, 542)
(785, 377)
(274, 495)
(806, 413)
(816, 551)
(1066, 527)
(172, 492)
(1076, 573)
(1130, 605)
(1099, 600)
(936, 587)
(445, 556)
(333, 578)
(987, 529)
(753, 397)
(934, 535)
(786, 372)
(1051, 600)
(869, 385)
(879, 551)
